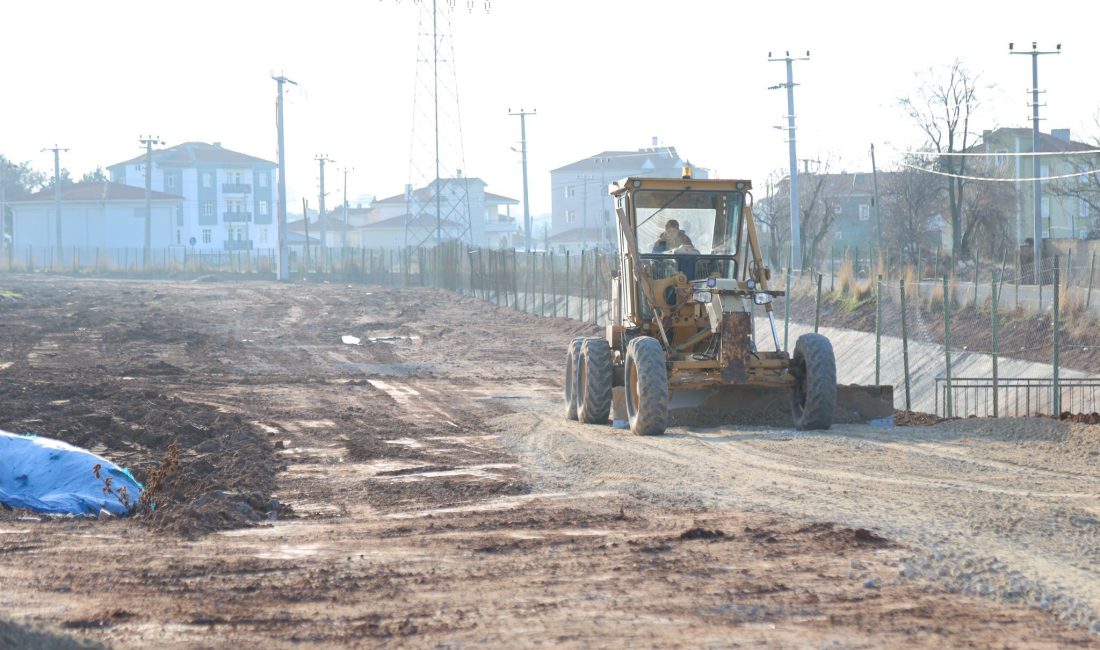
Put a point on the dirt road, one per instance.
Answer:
(419, 489)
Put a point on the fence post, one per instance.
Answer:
(948, 399)
(542, 288)
(1055, 385)
(1092, 269)
(553, 285)
(567, 285)
(597, 266)
(977, 267)
(1017, 305)
(832, 269)
(878, 330)
(905, 341)
(936, 271)
(817, 305)
(994, 289)
(787, 305)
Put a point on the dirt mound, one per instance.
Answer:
(916, 419)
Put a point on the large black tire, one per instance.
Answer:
(646, 377)
(572, 369)
(813, 399)
(594, 382)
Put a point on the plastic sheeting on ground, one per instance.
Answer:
(55, 477)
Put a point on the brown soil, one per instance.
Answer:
(341, 495)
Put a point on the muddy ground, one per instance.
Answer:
(420, 489)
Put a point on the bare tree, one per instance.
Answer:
(772, 214)
(942, 108)
(911, 202)
(1085, 187)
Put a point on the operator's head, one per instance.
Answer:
(672, 225)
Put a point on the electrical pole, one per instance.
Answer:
(57, 194)
(284, 252)
(148, 141)
(523, 153)
(321, 160)
(344, 237)
(1036, 184)
(796, 236)
(874, 201)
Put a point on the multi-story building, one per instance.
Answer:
(489, 227)
(582, 211)
(1068, 201)
(228, 197)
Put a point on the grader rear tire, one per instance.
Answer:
(572, 369)
(594, 382)
(813, 399)
(646, 387)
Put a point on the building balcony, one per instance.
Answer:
(238, 244)
(236, 188)
(236, 217)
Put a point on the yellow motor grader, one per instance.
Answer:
(688, 284)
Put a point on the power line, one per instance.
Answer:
(1000, 180)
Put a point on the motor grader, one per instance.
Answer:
(688, 284)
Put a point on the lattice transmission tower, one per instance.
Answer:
(437, 197)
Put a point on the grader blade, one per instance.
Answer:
(754, 405)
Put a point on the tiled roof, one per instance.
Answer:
(497, 198)
(97, 191)
(422, 221)
(580, 234)
(616, 162)
(427, 192)
(195, 153)
(331, 223)
(1047, 141)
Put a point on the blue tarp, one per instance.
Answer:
(51, 476)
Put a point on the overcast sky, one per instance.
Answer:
(603, 74)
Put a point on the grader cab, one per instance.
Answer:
(689, 285)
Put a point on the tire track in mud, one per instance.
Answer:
(958, 492)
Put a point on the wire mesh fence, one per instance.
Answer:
(956, 340)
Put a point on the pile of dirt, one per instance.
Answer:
(226, 472)
(1082, 418)
(904, 418)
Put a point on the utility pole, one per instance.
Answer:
(344, 237)
(57, 194)
(523, 153)
(874, 201)
(284, 252)
(1036, 184)
(796, 236)
(148, 141)
(321, 160)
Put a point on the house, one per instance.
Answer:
(228, 197)
(459, 197)
(576, 240)
(94, 215)
(1067, 211)
(334, 230)
(391, 232)
(579, 197)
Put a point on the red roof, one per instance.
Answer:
(193, 153)
(97, 191)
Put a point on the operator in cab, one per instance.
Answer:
(672, 238)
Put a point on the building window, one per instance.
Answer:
(1083, 207)
(207, 208)
(207, 179)
(569, 192)
(570, 216)
(170, 182)
(261, 179)
(234, 177)
(1000, 159)
(262, 208)
(177, 237)
(207, 235)
(864, 212)
(1046, 208)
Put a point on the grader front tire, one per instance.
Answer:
(813, 399)
(594, 385)
(646, 387)
(572, 369)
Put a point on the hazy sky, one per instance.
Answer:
(603, 74)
